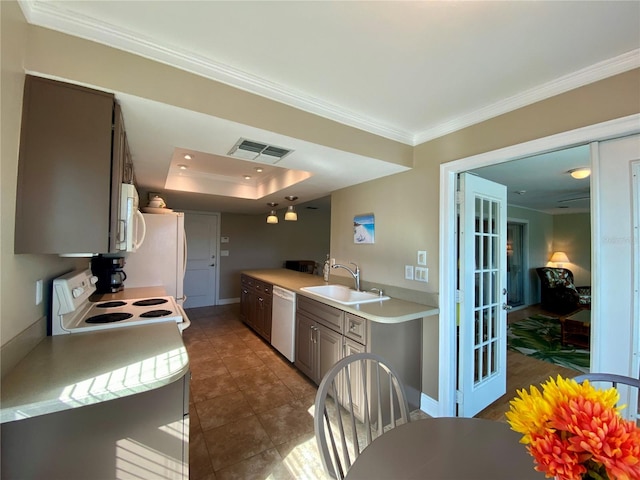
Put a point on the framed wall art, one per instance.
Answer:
(364, 228)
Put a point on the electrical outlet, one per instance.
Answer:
(408, 272)
(422, 257)
(422, 274)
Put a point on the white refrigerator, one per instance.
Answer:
(161, 259)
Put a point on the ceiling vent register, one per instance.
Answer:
(252, 150)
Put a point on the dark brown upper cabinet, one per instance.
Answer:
(70, 170)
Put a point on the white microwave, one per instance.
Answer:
(131, 226)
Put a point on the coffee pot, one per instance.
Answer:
(110, 273)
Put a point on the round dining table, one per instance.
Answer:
(446, 449)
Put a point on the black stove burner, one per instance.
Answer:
(156, 313)
(109, 318)
(148, 302)
(113, 304)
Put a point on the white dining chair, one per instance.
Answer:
(359, 399)
(609, 378)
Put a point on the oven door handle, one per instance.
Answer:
(185, 320)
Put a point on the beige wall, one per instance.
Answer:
(418, 190)
(254, 244)
(572, 235)
(18, 312)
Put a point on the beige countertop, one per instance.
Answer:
(70, 371)
(387, 311)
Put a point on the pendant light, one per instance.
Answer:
(291, 214)
(272, 217)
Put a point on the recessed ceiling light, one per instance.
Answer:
(183, 166)
(580, 173)
(187, 156)
(520, 192)
(247, 177)
(258, 169)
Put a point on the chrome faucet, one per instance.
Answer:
(355, 275)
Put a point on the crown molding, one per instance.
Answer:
(53, 17)
(599, 71)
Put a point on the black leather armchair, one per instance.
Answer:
(558, 292)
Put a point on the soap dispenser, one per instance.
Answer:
(326, 269)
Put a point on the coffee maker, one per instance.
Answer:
(110, 273)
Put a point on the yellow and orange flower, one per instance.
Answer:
(572, 429)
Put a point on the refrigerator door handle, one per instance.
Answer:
(184, 263)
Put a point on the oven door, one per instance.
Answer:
(131, 225)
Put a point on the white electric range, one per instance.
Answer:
(73, 312)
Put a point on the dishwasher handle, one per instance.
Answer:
(284, 294)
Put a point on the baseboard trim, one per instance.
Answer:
(228, 301)
(429, 405)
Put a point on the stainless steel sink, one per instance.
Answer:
(343, 295)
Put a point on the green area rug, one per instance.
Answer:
(539, 337)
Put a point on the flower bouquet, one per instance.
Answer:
(575, 431)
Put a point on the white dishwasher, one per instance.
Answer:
(283, 322)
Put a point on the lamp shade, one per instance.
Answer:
(291, 214)
(559, 257)
(272, 217)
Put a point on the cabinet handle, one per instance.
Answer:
(352, 326)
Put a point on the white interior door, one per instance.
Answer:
(482, 351)
(200, 286)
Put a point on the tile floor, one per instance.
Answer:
(251, 410)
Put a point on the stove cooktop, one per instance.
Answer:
(123, 313)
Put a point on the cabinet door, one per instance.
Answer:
(329, 346)
(245, 304)
(64, 170)
(357, 391)
(259, 305)
(117, 169)
(305, 351)
(267, 314)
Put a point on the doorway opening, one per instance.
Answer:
(449, 267)
(517, 264)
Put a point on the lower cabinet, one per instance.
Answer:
(325, 334)
(318, 347)
(255, 305)
(142, 436)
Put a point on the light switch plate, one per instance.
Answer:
(422, 274)
(408, 272)
(39, 293)
(224, 239)
(224, 253)
(422, 257)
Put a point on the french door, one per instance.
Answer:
(482, 350)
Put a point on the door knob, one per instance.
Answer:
(212, 265)
(506, 307)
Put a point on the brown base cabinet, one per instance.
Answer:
(317, 347)
(256, 300)
(325, 334)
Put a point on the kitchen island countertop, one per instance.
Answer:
(387, 311)
(69, 371)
